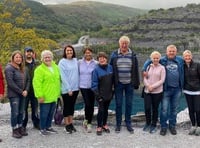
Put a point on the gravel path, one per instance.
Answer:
(82, 139)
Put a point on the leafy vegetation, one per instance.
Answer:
(13, 15)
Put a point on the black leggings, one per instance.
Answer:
(102, 115)
(151, 104)
(89, 98)
(193, 102)
(69, 103)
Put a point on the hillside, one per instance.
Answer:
(69, 20)
(159, 28)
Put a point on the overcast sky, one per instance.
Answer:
(144, 4)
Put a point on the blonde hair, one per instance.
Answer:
(187, 52)
(46, 52)
(155, 53)
(124, 38)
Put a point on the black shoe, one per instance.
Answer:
(37, 127)
(68, 129)
(163, 131)
(117, 129)
(130, 129)
(99, 131)
(72, 128)
(173, 130)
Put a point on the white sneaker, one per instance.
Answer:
(192, 130)
(89, 128)
(197, 132)
(85, 123)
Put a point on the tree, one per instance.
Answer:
(13, 13)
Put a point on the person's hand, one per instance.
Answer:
(24, 93)
(145, 74)
(41, 100)
(70, 93)
(150, 88)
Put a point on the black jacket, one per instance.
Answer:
(192, 76)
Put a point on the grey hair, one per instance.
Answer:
(171, 46)
(187, 52)
(124, 38)
(46, 52)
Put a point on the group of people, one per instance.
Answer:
(164, 79)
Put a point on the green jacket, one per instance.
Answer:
(46, 84)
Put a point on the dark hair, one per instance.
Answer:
(64, 53)
(102, 54)
(87, 48)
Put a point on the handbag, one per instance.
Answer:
(142, 93)
(58, 115)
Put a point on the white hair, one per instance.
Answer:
(46, 52)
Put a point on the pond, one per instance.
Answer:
(138, 104)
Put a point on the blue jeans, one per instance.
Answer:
(119, 90)
(169, 107)
(17, 111)
(46, 114)
(34, 110)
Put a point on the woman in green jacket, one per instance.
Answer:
(46, 84)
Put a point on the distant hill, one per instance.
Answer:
(159, 28)
(59, 21)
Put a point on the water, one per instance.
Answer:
(138, 104)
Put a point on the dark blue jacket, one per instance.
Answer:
(102, 82)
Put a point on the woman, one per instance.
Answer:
(46, 85)
(86, 66)
(18, 82)
(69, 85)
(153, 83)
(102, 82)
(1, 87)
(192, 91)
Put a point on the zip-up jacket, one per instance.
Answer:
(135, 81)
(192, 76)
(17, 81)
(102, 81)
(46, 83)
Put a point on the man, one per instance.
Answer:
(30, 64)
(126, 78)
(172, 89)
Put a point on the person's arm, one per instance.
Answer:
(95, 84)
(37, 84)
(1, 84)
(64, 77)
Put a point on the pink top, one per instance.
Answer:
(155, 77)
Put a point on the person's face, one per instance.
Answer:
(69, 52)
(47, 59)
(29, 54)
(171, 53)
(102, 60)
(88, 55)
(17, 59)
(155, 59)
(123, 46)
(187, 58)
